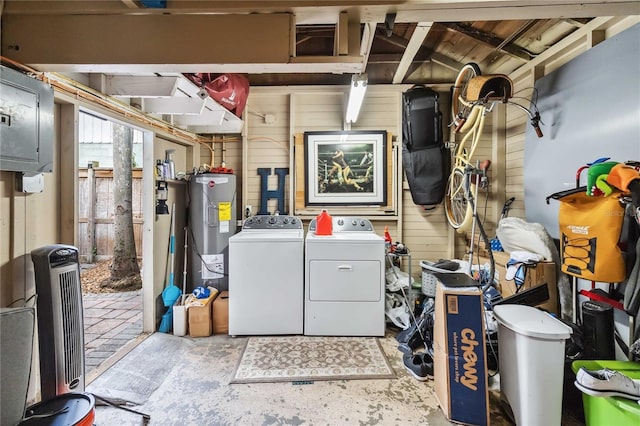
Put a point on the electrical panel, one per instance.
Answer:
(26, 123)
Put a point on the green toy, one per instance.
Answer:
(597, 185)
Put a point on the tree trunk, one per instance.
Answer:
(125, 262)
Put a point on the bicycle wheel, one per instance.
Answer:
(459, 91)
(457, 208)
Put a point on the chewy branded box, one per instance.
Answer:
(460, 368)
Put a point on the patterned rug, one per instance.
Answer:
(308, 358)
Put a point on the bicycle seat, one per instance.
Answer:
(490, 87)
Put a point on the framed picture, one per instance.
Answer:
(345, 168)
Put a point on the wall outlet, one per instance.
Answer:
(247, 211)
(269, 118)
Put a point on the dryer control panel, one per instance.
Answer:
(346, 224)
(272, 222)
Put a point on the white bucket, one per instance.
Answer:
(180, 317)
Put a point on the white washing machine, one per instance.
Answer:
(266, 277)
(344, 280)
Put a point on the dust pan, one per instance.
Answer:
(171, 293)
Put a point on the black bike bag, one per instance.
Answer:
(425, 160)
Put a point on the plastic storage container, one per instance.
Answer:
(612, 410)
(429, 281)
(531, 354)
(324, 223)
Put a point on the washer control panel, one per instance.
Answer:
(272, 222)
(346, 224)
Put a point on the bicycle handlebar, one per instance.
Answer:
(460, 120)
(535, 123)
(534, 117)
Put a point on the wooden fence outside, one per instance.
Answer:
(95, 198)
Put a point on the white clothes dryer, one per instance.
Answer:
(266, 277)
(344, 280)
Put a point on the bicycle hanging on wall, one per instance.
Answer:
(474, 96)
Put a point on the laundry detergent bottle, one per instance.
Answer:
(324, 223)
(388, 242)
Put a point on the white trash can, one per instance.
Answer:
(531, 345)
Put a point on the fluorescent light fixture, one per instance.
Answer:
(356, 96)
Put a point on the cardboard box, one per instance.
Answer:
(543, 272)
(221, 314)
(200, 324)
(460, 368)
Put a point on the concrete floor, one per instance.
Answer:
(185, 381)
(192, 388)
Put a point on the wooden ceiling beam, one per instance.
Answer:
(368, 35)
(446, 62)
(487, 39)
(517, 33)
(395, 58)
(131, 4)
(374, 10)
(423, 52)
(341, 36)
(91, 42)
(413, 46)
(393, 39)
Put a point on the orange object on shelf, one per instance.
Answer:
(388, 242)
(387, 236)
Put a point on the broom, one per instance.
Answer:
(184, 270)
(171, 293)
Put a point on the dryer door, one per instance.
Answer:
(345, 280)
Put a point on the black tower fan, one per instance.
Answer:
(60, 320)
(598, 330)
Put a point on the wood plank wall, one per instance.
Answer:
(300, 109)
(102, 246)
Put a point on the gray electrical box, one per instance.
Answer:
(29, 183)
(26, 123)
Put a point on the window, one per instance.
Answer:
(96, 138)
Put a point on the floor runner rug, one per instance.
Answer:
(309, 358)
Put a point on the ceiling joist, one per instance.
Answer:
(368, 35)
(488, 39)
(415, 44)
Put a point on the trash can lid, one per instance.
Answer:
(530, 321)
